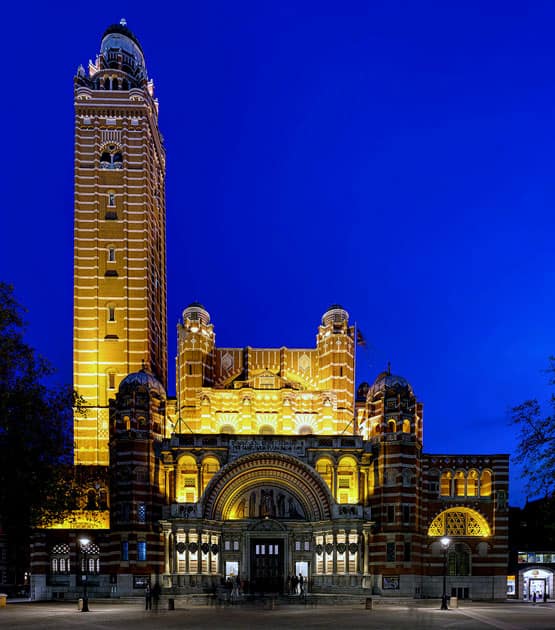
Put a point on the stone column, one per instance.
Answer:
(334, 565)
(166, 551)
(199, 552)
(365, 552)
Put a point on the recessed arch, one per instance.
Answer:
(269, 470)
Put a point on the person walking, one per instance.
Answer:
(301, 584)
(148, 598)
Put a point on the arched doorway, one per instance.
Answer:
(269, 502)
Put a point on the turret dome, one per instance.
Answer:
(196, 312)
(387, 380)
(142, 379)
(335, 313)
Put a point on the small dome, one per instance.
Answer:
(142, 378)
(386, 380)
(335, 313)
(196, 312)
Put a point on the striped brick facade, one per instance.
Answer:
(119, 234)
(268, 462)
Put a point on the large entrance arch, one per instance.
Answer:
(267, 485)
(271, 501)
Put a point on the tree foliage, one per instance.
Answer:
(536, 446)
(35, 436)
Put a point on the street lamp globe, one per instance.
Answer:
(445, 542)
(84, 542)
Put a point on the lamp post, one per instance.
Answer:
(84, 543)
(445, 542)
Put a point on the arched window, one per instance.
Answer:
(461, 521)
(227, 428)
(460, 484)
(59, 559)
(266, 429)
(305, 430)
(485, 484)
(324, 468)
(391, 426)
(111, 313)
(347, 480)
(445, 486)
(111, 195)
(90, 559)
(111, 158)
(472, 483)
(187, 474)
(406, 426)
(210, 466)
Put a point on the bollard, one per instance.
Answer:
(171, 603)
(3, 600)
(454, 602)
(369, 604)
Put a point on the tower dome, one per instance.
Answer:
(142, 379)
(335, 313)
(117, 39)
(196, 312)
(387, 380)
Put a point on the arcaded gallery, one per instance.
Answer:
(268, 463)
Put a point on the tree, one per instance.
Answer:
(536, 446)
(35, 438)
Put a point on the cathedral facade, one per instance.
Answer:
(268, 462)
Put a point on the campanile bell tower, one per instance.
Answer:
(119, 234)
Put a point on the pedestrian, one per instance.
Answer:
(235, 588)
(294, 582)
(301, 584)
(148, 598)
(534, 598)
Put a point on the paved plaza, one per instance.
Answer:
(58, 616)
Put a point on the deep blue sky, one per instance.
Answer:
(395, 157)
